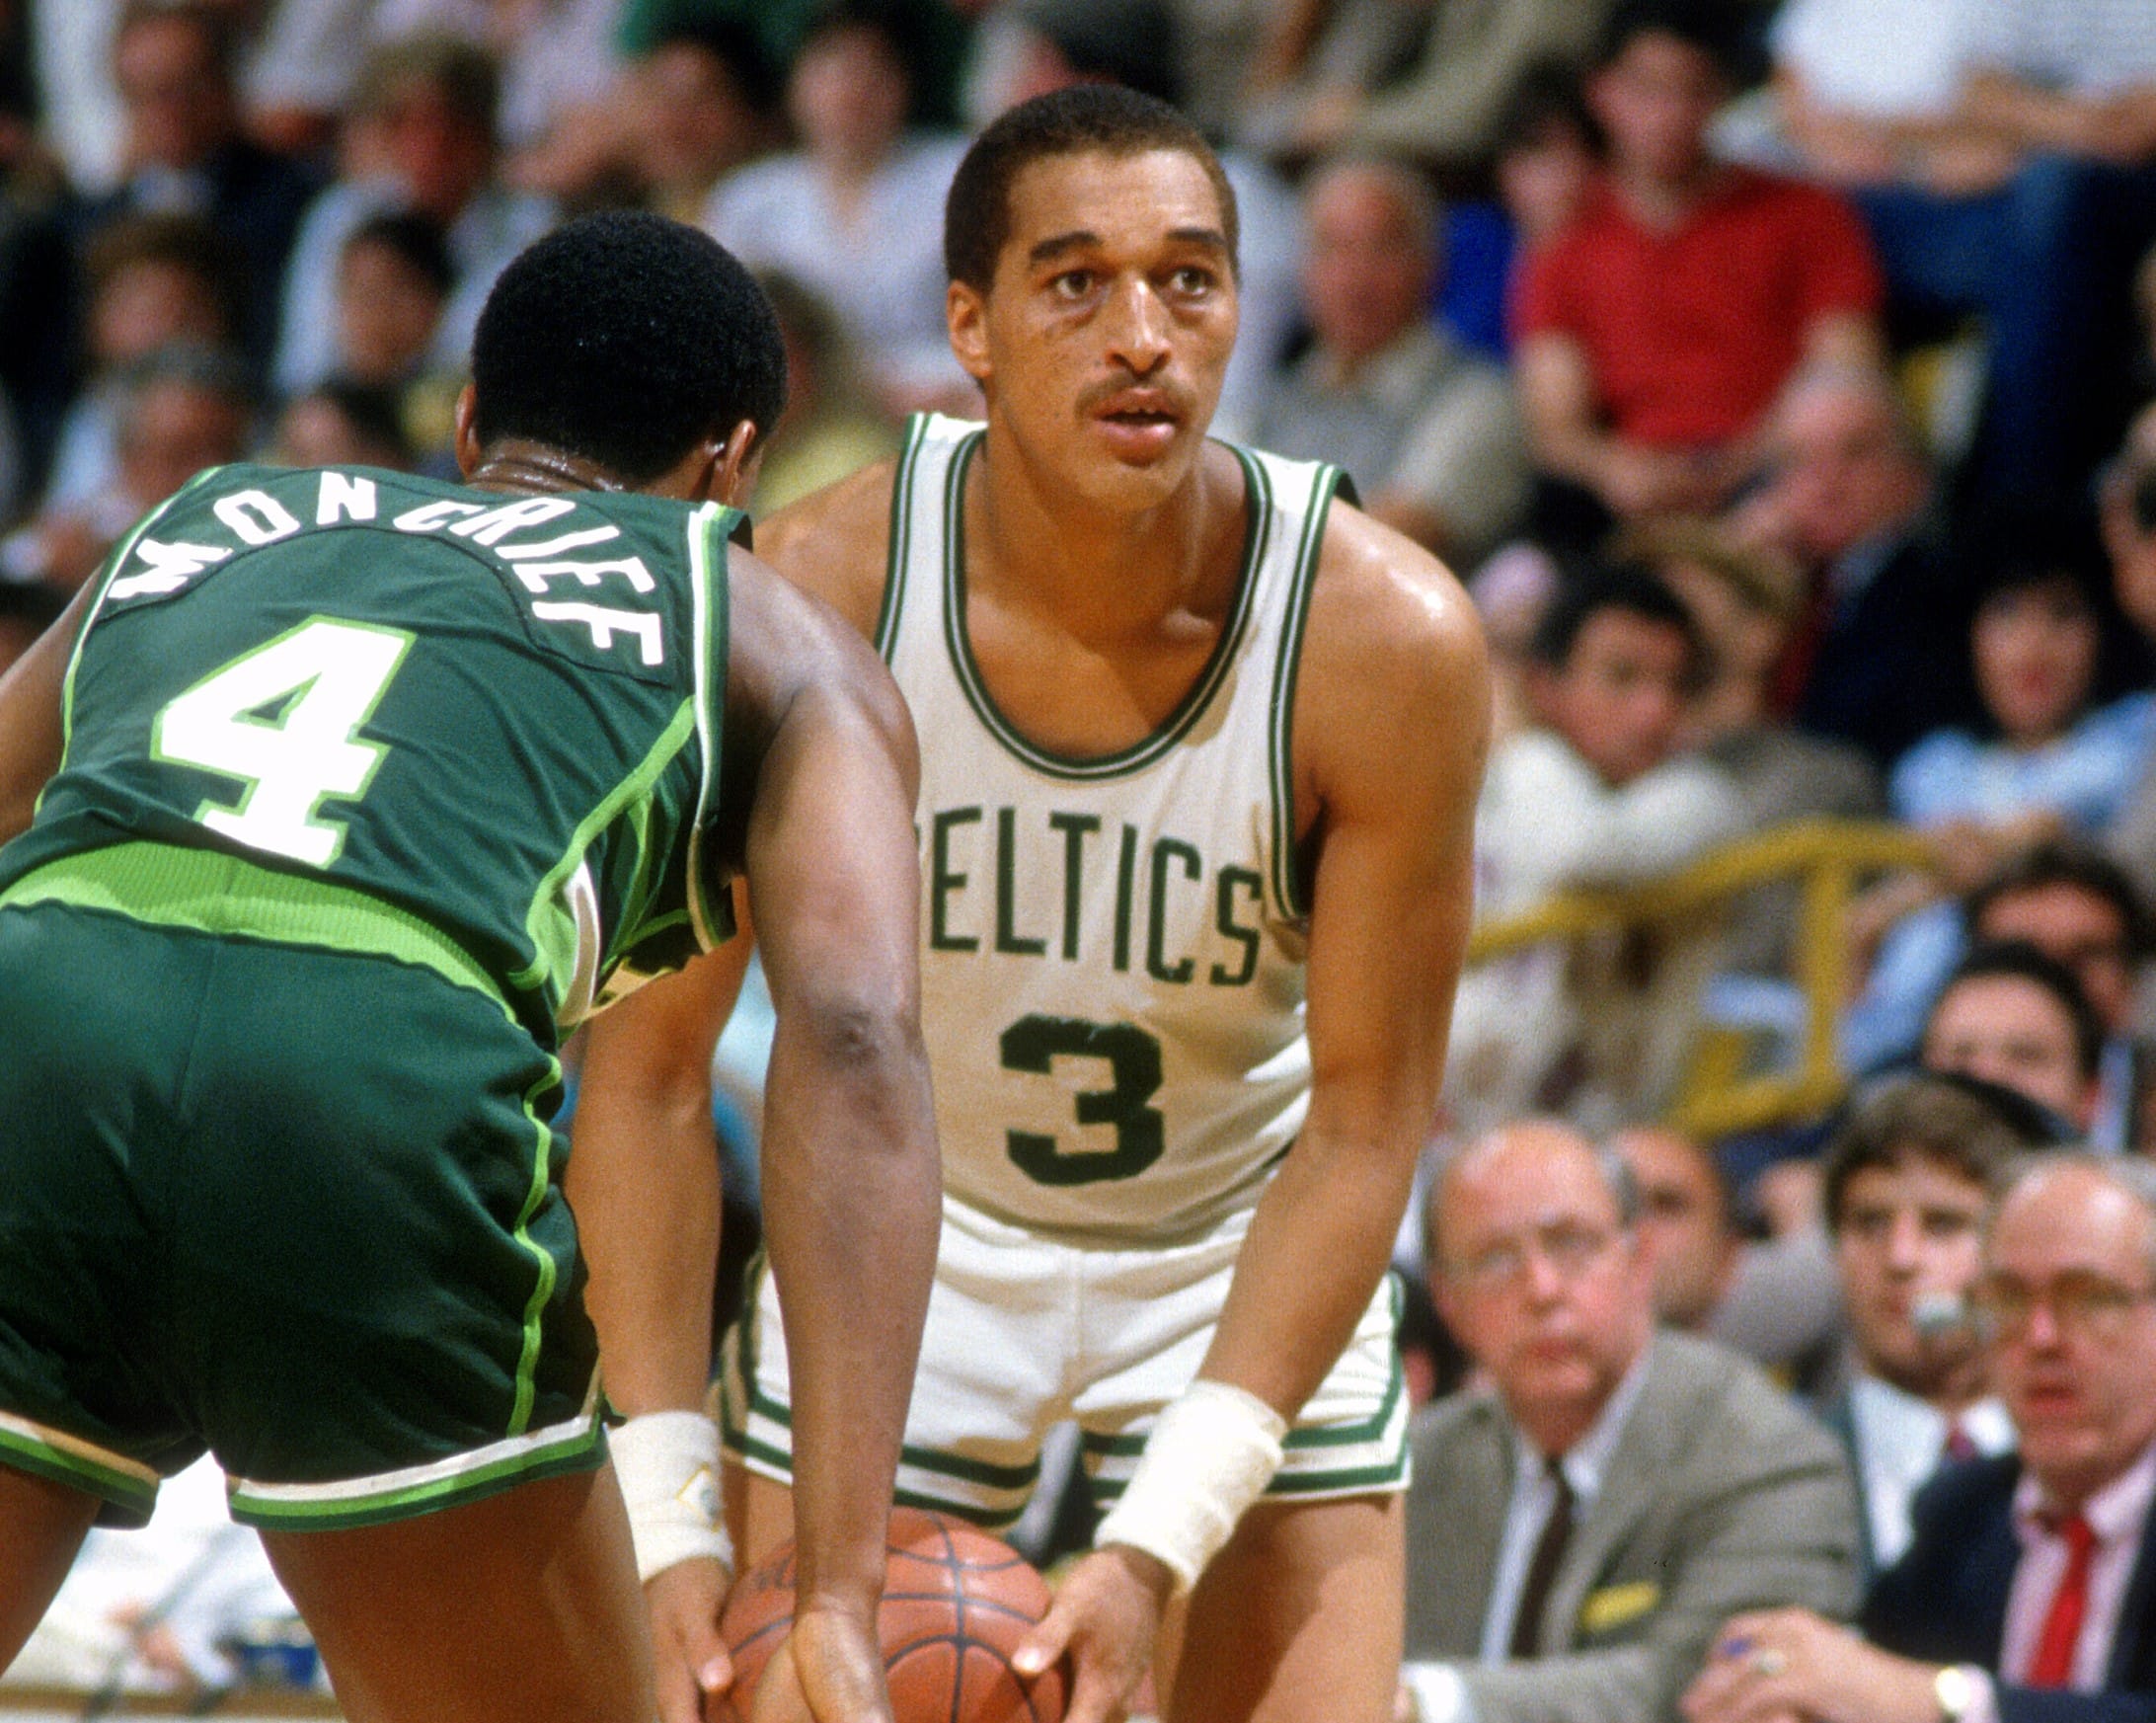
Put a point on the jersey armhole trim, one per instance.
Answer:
(710, 920)
(1286, 886)
(893, 604)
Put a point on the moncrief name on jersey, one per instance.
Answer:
(157, 569)
(1179, 919)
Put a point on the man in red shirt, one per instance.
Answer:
(1654, 332)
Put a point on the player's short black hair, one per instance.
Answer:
(2018, 960)
(1085, 119)
(1630, 587)
(626, 337)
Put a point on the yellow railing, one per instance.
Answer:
(1829, 858)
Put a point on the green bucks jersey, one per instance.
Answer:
(501, 715)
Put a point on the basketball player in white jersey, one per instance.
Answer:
(1202, 745)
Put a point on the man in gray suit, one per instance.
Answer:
(1577, 1535)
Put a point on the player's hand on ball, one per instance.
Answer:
(829, 1670)
(684, 1601)
(1106, 1617)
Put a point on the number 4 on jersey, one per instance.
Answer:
(284, 719)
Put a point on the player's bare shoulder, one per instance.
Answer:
(835, 542)
(1394, 665)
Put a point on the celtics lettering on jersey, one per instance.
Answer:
(1113, 948)
(501, 714)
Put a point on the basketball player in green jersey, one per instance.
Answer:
(353, 793)
(1200, 753)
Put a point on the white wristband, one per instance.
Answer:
(1209, 1457)
(667, 1465)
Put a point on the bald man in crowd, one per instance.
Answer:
(1577, 1530)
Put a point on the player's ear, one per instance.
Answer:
(467, 424)
(735, 463)
(966, 313)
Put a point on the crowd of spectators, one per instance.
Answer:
(1778, 373)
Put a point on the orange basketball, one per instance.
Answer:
(956, 1601)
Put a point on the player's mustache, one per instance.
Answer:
(1166, 396)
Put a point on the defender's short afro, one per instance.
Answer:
(627, 339)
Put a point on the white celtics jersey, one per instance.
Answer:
(1112, 947)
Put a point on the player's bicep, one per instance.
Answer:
(833, 872)
(1399, 770)
(31, 729)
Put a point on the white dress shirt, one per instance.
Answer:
(2117, 1514)
(1899, 1441)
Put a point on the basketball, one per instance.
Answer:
(956, 1601)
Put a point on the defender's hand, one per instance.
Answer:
(692, 1663)
(1106, 1617)
(830, 1670)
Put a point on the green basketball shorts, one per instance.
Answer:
(292, 1204)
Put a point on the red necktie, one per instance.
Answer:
(2053, 1663)
(1959, 1445)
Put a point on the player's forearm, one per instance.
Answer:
(852, 1206)
(31, 724)
(644, 1181)
(1318, 1245)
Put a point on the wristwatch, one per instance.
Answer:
(1955, 1691)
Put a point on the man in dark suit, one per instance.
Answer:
(1577, 1535)
(2028, 1594)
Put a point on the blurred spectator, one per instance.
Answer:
(2016, 1017)
(557, 58)
(1048, 45)
(1350, 87)
(183, 409)
(2023, 1595)
(1687, 1224)
(1430, 437)
(1848, 493)
(701, 104)
(2079, 909)
(2054, 759)
(2128, 511)
(1599, 795)
(1910, 1175)
(185, 153)
(154, 282)
(830, 426)
(1654, 333)
(940, 32)
(340, 424)
(1747, 604)
(1578, 1532)
(1546, 149)
(851, 212)
(421, 140)
(393, 283)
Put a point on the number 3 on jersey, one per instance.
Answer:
(284, 720)
(1035, 1042)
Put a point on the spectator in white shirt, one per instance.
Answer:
(1597, 794)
